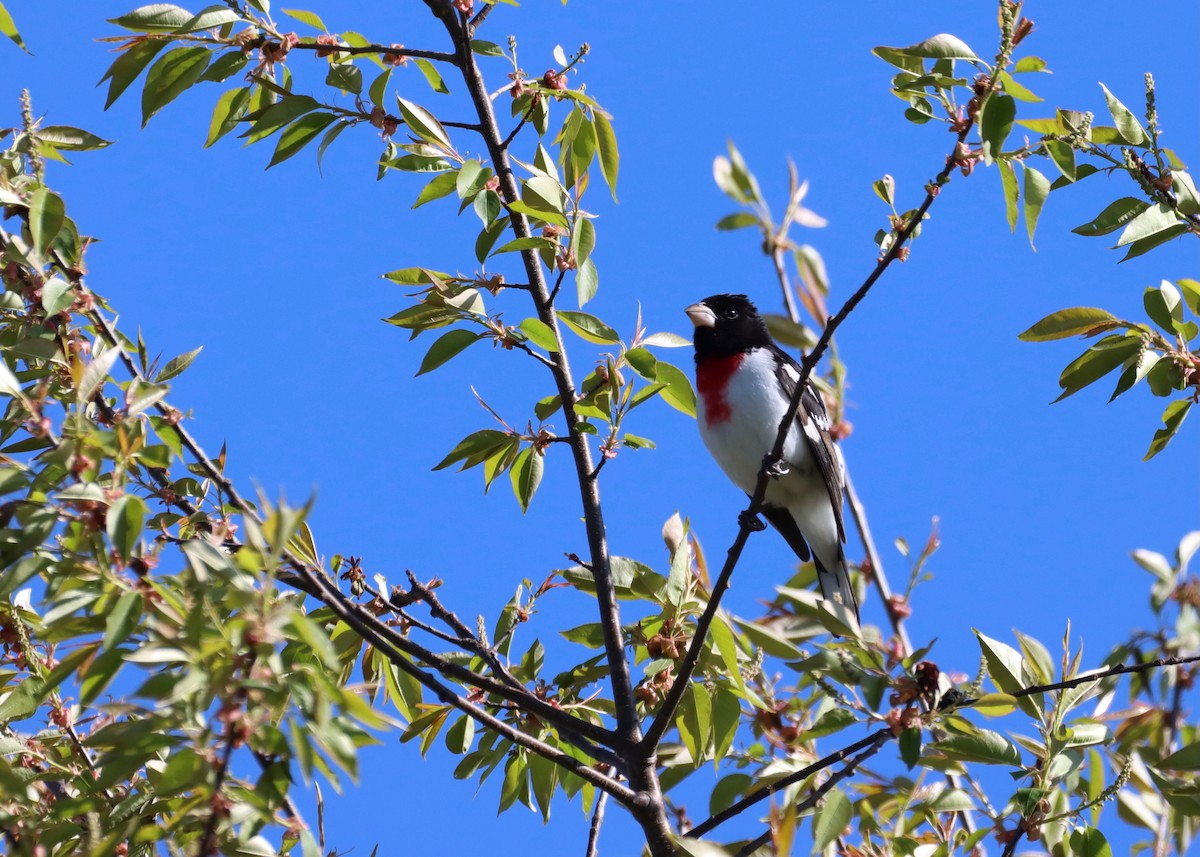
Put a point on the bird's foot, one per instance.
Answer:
(751, 522)
(774, 468)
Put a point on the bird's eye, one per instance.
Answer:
(731, 314)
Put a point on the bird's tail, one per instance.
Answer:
(835, 583)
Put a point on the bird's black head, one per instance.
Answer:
(725, 325)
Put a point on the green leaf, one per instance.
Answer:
(487, 206)
(1150, 221)
(312, 19)
(9, 28)
(589, 328)
(1127, 124)
(587, 282)
(460, 736)
(543, 193)
(71, 139)
(831, 819)
(910, 746)
(47, 213)
(124, 523)
(424, 124)
(526, 475)
(439, 186)
(1184, 759)
(1063, 157)
(982, 745)
(539, 333)
(229, 110)
(530, 243)
(1003, 663)
(299, 134)
(1191, 293)
(678, 392)
(1114, 216)
(695, 723)
(584, 240)
(520, 207)
(1164, 305)
(330, 136)
(279, 114)
(225, 66)
(1069, 322)
(177, 365)
(347, 77)
(1145, 245)
(1029, 64)
(941, 46)
(1037, 188)
(488, 237)
(57, 295)
(1017, 90)
(445, 347)
(1172, 418)
(999, 111)
(122, 619)
(1089, 842)
(154, 18)
(1012, 195)
(606, 145)
(1103, 357)
(210, 19)
(173, 73)
(128, 66)
(471, 178)
(432, 75)
(995, 704)
(737, 220)
(475, 447)
(486, 49)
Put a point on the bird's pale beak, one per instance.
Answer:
(701, 315)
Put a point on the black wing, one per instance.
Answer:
(814, 422)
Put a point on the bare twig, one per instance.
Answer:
(593, 843)
(874, 741)
(822, 790)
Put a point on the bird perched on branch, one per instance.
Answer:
(746, 382)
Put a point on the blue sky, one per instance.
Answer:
(276, 274)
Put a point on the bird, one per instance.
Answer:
(745, 383)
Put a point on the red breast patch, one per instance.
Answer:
(712, 380)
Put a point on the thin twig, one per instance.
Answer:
(208, 842)
(812, 800)
(593, 843)
(874, 740)
(1102, 674)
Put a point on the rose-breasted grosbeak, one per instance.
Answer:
(745, 382)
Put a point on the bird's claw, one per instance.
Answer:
(774, 468)
(751, 521)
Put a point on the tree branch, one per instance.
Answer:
(811, 801)
(641, 763)
(874, 741)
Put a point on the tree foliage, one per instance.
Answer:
(180, 659)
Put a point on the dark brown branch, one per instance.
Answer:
(640, 764)
(1097, 676)
(874, 741)
(351, 615)
(593, 843)
(208, 842)
(812, 800)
